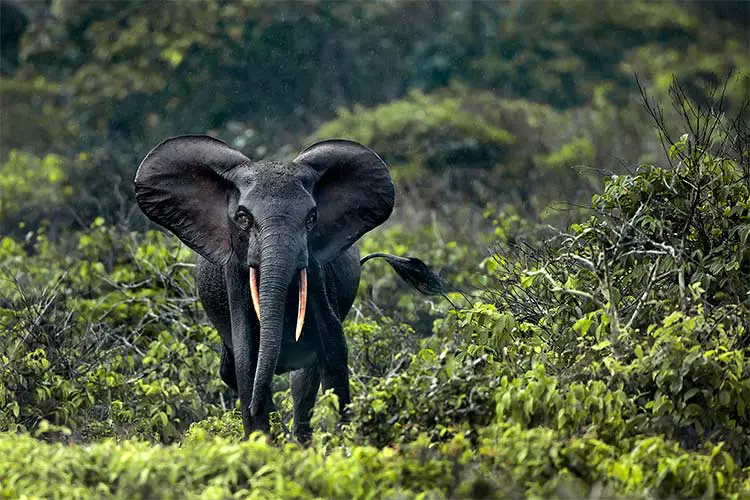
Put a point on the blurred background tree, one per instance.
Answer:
(491, 101)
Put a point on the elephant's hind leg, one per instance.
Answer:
(305, 383)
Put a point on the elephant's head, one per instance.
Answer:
(267, 219)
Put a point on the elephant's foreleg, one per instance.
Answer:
(226, 369)
(228, 374)
(305, 383)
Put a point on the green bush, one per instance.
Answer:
(218, 468)
(650, 295)
(32, 189)
(457, 144)
(101, 335)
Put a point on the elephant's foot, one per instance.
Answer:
(259, 423)
(303, 433)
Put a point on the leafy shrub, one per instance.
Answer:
(457, 144)
(217, 468)
(378, 347)
(650, 295)
(103, 337)
(403, 406)
(31, 188)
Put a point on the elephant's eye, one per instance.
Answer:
(244, 220)
(312, 218)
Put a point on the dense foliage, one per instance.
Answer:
(596, 345)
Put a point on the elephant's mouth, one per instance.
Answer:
(302, 300)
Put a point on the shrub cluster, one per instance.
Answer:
(100, 334)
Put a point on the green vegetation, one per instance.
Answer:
(599, 343)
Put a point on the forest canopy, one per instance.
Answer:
(579, 175)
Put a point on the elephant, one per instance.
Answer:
(278, 268)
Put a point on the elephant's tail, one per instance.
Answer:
(415, 272)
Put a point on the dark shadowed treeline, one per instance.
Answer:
(594, 225)
(488, 100)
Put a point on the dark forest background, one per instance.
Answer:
(578, 170)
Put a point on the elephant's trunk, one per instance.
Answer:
(278, 264)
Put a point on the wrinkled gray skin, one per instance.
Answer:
(279, 218)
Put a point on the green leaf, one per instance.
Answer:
(602, 345)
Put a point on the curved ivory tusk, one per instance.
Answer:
(302, 307)
(254, 291)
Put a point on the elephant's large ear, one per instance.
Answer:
(354, 194)
(182, 185)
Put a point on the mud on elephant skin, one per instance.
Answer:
(277, 270)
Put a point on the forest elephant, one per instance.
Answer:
(277, 270)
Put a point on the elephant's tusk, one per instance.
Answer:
(302, 307)
(254, 291)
